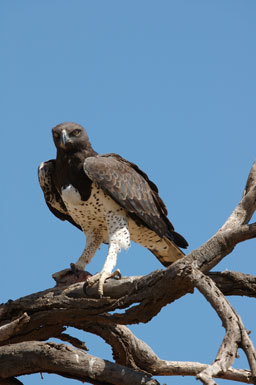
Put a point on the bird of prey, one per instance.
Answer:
(107, 197)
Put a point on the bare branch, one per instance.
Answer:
(251, 180)
(73, 341)
(243, 233)
(245, 209)
(229, 346)
(13, 327)
(70, 362)
(113, 288)
(130, 351)
(180, 368)
(247, 346)
(52, 309)
(33, 357)
(235, 283)
(229, 282)
(235, 336)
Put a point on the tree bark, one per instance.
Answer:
(32, 357)
(27, 323)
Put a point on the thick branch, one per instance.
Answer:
(52, 309)
(229, 282)
(33, 357)
(235, 283)
(56, 307)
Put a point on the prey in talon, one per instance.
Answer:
(110, 199)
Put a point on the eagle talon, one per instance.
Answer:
(101, 278)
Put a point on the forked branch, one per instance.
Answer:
(38, 317)
(236, 335)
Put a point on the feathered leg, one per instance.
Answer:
(93, 242)
(76, 273)
(119, 238)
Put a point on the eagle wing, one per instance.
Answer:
(52, 197)
(131, 188)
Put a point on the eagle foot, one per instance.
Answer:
(102, 277)
(69, 276)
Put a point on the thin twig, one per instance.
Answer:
(73, 341)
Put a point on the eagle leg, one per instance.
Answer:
(119, 238)
(76, 272)
(93, 241)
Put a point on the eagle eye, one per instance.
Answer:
(75, 132)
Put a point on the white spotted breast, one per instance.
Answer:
(89, 214)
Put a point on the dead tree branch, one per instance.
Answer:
(33, 357)
(28, 321)
(235, 283)
(235, 336)
(130, 351)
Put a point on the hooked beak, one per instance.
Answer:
(64, 138)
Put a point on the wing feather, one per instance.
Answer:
(131, 188)
(52, 197)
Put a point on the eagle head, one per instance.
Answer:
(70, 136)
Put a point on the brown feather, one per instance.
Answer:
(132, 189)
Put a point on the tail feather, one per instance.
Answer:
(172, 254)
(178, 239)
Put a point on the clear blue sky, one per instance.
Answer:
(169, 85)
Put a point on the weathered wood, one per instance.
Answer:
(235, 283)
(233, 325)
(33, 357)
(39, 316)
(13, 327)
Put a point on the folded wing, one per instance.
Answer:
(52, 197)
(131, 188)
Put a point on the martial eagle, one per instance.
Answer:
(109, 198)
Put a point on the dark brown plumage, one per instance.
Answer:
(134, 191)
(107, 196)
